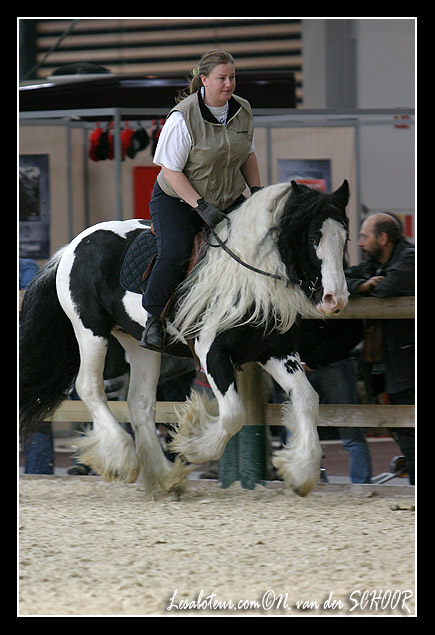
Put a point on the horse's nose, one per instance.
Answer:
(332, 303)
(329, 299)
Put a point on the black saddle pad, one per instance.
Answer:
(136, 261)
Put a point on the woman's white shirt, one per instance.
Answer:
(174, 144)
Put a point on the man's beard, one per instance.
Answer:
(374, 254)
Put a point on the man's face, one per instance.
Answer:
(368, 241)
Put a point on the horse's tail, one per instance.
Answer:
(48, 355)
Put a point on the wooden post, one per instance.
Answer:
(244, 458)
(228, 465)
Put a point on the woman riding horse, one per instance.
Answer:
(295, 236)
(207, 155)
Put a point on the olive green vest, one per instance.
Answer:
(218, 151)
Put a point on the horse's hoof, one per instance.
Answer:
(302, 491)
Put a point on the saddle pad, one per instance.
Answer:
(136, 261)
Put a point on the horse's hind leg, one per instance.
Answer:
(107, 448)
(299, 461)
(155, 469)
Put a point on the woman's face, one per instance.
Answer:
(219, 84)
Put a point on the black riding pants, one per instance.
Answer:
(175, 225)
(405, 436)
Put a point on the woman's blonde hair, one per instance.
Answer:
(206, 64)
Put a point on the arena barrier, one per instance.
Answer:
(244, 458)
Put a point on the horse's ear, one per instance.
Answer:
(296, 188)
(342, 194)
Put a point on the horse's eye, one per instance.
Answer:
(313, 240)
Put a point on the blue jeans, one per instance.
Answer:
(38, 451)
(336, 384)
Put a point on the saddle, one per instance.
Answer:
(138, 262)
(141, 257)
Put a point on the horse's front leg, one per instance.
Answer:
(205, 425)
(299, 461)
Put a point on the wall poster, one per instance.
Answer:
(315, 173)
(34, 206)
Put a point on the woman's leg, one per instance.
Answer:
(175, 225)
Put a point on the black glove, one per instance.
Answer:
(256, 188)
(209, 213)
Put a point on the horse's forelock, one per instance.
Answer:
(290, 232)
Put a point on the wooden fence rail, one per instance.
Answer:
(342, 415)
(360, 308)
(378, 308)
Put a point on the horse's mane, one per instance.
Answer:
(220, 293)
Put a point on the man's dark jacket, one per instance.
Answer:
(399, 340)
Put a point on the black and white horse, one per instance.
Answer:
(294, 235)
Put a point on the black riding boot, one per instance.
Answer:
(154, 335)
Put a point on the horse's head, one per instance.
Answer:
(312, 235)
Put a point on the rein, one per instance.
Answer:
(312, 285)
(239, 260)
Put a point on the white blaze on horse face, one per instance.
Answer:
(330, 252)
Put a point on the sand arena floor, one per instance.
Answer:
(93, 548)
